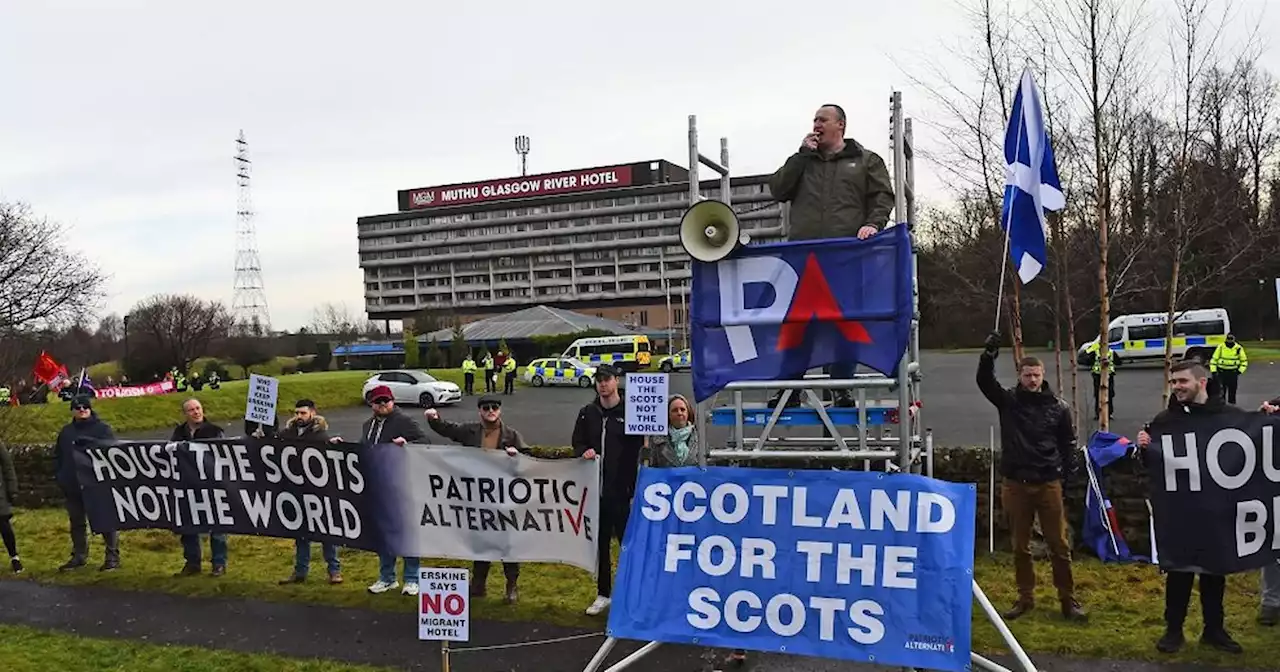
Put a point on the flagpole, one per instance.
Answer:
(1008, 230)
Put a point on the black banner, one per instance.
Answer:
(265, 488)
(1215, 490)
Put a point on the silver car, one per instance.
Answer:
(415, 387)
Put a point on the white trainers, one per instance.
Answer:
(383, 586)
(410, 589)
(599, 605)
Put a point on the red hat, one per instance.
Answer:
(381, 392)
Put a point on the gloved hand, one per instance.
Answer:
(992, 345)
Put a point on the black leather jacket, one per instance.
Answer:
(1037, 433)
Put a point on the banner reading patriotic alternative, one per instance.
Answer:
(272, 489)
(1215, 489)
(475, 504)
(835, 564)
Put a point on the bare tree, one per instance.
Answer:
(1257, 98)
(174, 330)
(43, 284)
(1096, 48)
(335, 321)
(1194, 47)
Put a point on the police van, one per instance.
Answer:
(1140, 337)
(629, 353)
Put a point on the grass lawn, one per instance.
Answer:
(26, 649)
(1126, 603)
(39, 423)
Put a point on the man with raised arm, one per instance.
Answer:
(1037, 455)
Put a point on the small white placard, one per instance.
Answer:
(261, 406)
(647, 403)
(444, 607)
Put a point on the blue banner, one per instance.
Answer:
(859, 566)
(774, 311)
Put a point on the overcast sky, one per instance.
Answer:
(120, 117)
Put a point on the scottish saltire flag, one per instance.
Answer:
(1031, 182)
(776, 310)
(1102, 532)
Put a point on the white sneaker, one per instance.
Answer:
(383, 586)
(410, 589)
(599, 605)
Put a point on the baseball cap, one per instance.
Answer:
(605, 371)
(81, 401)
(488, 400)
(381, 392)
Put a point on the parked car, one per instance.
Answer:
(415, 387)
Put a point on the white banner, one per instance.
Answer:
(476, 504)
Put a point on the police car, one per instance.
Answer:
(680, 360)
(559, 371)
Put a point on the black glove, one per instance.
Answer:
(992, 345)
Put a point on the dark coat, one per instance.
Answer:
(8, 483)
(317, 430)
(206, 430)
(1037, 432)
(834, 196)
(397, 424)
(604, 431)
(76, 436)
(472, 433)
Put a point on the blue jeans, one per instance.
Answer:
(217, 548)
(302, 557)
(387, 569)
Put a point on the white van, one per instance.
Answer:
(1140, 337)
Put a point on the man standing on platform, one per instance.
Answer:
(837, 189)
(1038, 451)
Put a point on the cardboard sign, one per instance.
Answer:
(261, 405)
(647, 403)
(444, 609)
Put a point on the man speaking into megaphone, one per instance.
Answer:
(837, 189)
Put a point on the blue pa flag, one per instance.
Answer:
(1031, 182)
(849, 565)
(774, 311)
(1102, 532)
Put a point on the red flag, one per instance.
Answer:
(48, 370)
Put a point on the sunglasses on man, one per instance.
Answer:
(491, 407)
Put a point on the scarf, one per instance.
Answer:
(680, 441)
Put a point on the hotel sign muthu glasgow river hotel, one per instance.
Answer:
(587, 179)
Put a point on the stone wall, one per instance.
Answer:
(1124, 483)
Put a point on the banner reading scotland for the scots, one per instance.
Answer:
(271, 489)
(849, 565)
(475, 504)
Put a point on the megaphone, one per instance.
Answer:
(709, 231)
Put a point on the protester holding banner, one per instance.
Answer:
(1193, 393)
(601, 432)
(1038, 454)
(8, 496)
(309, 426)
(195, 428)
(85, 430)
(493, 434)
(389, 425)
(679, 446)
(1269, 614)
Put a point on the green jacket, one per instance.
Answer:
(833, 197)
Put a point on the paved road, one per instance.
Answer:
(386, 638)
(953, 406)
